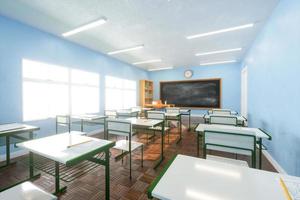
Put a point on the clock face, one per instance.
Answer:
(188, 73)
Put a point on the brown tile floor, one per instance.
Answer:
(91, 185)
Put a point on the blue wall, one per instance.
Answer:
(230, 75)
(274, 84)
(18, 41)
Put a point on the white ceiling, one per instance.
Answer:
(161, 25)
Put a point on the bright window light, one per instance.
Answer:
(218, 52)
(119, 93)
(85, 27)
(158, 69)
(147, 61)
(85, 99)
(84, 78)
(44, 71)
(49, 90)
(126, 50)
(219, 62)
(220, 31)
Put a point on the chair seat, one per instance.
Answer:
(26, 191)
(124, 145)
(241, 163)
(158, 128)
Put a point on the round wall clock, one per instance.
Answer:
(188, 73)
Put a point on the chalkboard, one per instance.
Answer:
(204, 93)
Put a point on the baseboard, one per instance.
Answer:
(274, 162)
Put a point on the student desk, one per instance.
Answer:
(258, 133)
(92, 119)
(70, 149)
(240, 119)
(170, 116)
(189, 178)
(138, 123)
(13, 130)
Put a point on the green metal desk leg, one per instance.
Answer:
(58, 190)
(107, 183)
(189, 120)
(162, 146)
(8, 161)
(198, 145)
(260, 153)
(31, 168)
(180, 130)
(7, 150)
(130, 155)
(81, 127)
(105, 130)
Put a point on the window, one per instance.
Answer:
(49, 90)
(84, 92)
(119, 93)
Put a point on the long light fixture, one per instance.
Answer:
(219, 62)
(85, 27)
(218, 52)
(147, 61)
(126, 50)
(158, 69)
(220, 31)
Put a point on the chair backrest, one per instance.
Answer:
(110, 113)
(63, 120)
(155, 115)
(172, 110)
(224, 120)
(239, 143)
(127, 113)
(220, 111)
(118, 127)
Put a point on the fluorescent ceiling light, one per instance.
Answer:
(157, 69)
(219, 62)
(85, 27)
(125, 50)
(220, 31)
(217, 52)
(147, 61)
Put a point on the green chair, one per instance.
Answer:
(158, 115)
(236, 143)
(123, 128)
(64, 121)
